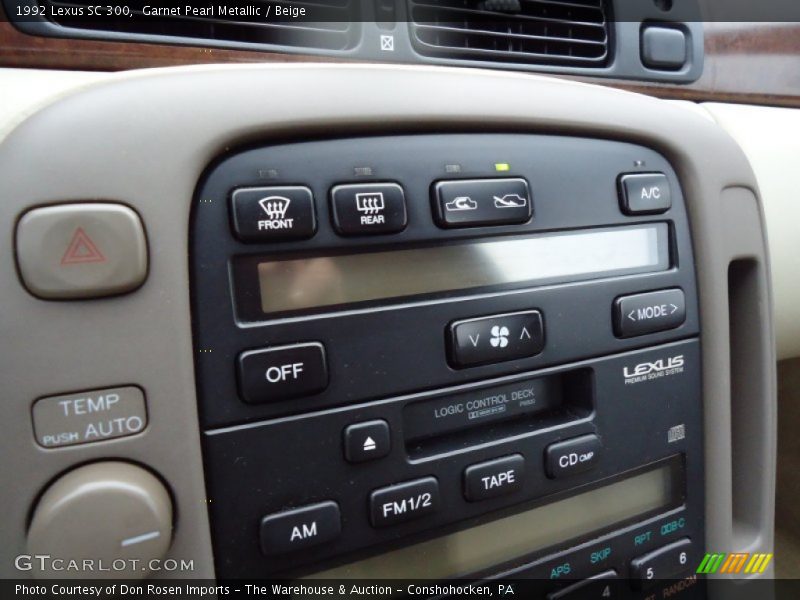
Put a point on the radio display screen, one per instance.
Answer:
(317, 282)
(479, 548)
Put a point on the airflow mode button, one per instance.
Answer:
(474, 202)
(272, 214)
(650, 312)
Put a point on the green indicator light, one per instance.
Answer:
(502, 166)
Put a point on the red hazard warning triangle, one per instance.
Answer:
(82, 250)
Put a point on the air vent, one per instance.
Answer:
(551, 32)
(333, 27)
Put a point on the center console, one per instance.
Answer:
(456, 355)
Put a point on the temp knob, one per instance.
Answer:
(116, 515)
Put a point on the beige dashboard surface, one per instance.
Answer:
(770, 137)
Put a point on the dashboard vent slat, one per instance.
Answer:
(554, 32)
(334, 29)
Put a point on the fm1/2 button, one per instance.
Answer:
(271, 214)
(404, 502)
(496, 338)
(280, 373)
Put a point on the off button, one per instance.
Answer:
(281, 373)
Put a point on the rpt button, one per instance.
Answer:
(281, 373)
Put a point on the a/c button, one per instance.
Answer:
(281, 373)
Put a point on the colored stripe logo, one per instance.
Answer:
(734, 563)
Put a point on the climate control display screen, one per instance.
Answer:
(298, 284)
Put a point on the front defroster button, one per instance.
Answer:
(280, 373)
(273, 214)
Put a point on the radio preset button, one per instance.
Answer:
(668, 562)
(639, 314)
(367, 441)
(496, 338)
(300, 528)
(493, 478)
(368, 208)
(644, 193)
(280, 373)
(273, 214)
(474, 202)
(597, 586)
(404, 502)
(572, 456)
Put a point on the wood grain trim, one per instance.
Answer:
(755, 63)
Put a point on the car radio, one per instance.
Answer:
(461, 355)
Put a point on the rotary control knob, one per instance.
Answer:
(116, 515)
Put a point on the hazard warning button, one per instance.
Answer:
(81, 250)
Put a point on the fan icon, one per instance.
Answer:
(499, 337)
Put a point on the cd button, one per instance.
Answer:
(275, 374)
(572, 456)
(497, 338)
(300, 528)
(493, 478)
(271, 214)
(404, 502)
(368, 208)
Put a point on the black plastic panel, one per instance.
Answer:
(388, 361)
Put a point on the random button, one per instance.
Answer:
(366, 441)
(281, 373)
(81, 250)
(495, 338)
(273, 214)
(300, 528)
(665, 563)
(368, 208)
